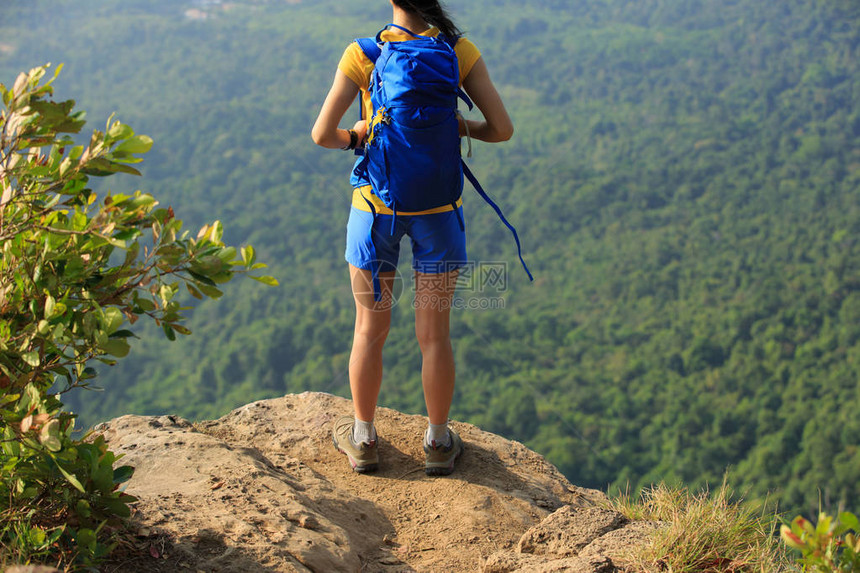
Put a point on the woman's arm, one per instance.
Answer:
(497, 125)
(341, 95)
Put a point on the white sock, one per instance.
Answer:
(437, 433)
(363, 432)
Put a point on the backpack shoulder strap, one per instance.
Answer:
(370, 48)
(452, 42)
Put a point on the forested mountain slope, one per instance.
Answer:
(684, 177)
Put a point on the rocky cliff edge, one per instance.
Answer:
(263, 490)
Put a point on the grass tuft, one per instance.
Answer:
(703, 533)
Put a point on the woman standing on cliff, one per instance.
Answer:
(438, 245)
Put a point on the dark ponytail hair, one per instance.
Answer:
(432, 12)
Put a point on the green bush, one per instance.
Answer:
(828, 545)
(74, 271)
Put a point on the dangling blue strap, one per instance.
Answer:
(468, 173)
(374, 270)
(459, 216)
(462, 95)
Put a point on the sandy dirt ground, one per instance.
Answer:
(263, 489)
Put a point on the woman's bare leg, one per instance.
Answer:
(433, 296)
(372, 321)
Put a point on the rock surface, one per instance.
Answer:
(262, 489)
(575, 540)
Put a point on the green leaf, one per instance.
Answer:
(118, 347)
(31, 358)
(102, 478)
(266, 280)
(88, 374)
(208, 264)
(137, 144)
(119, 131)
(71, 479)
(122, 474)
(49, 306)
(69, 126)
(227, 254)
(850, 520)
(36, 537)
(123, 334)
(180, 329)
(101, 167)
(194, 292)
(56, 533)
(249, 257)
(128, 235)
(86, 539)
(216, 232)
(76, 152)
(133, 249)
(51, 110)
(118, 506)
(210, 291)
(166, 292)
(145, 304)
(113, 319)
(82, 508)
(222, 277)
(201, 278)
(49, 436)
(171, 250)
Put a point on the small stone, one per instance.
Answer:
(308, 522)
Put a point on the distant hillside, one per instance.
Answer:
(684, 176)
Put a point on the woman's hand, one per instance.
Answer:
(360, 128)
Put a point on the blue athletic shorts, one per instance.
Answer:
(438, 241)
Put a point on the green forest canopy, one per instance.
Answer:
(684, 177)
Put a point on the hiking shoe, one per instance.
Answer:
(439, 460)
(363, 457)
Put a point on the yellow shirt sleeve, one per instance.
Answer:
(356, 65)
(358, 68)
(467, 55)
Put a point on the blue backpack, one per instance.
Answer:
(412, 155)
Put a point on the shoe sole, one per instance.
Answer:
(444, 470)
(361, 469)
